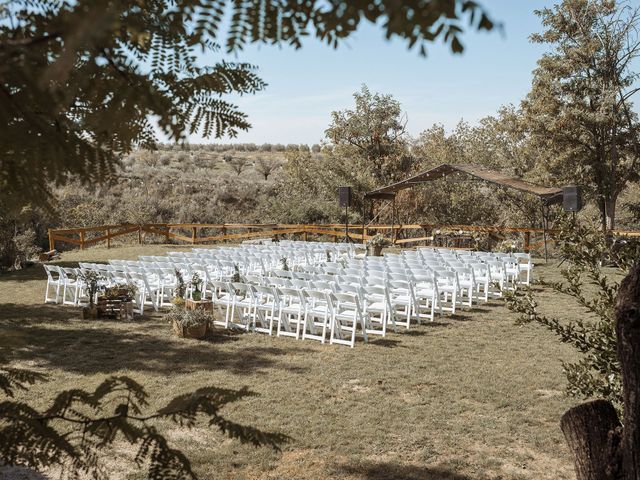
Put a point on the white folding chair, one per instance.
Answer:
(55, 281)
(291, 313)
(318, 315)
(347, 315)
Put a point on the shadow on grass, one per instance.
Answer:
(396, 471)
(418, 333)
(34, 272)
(386, 342)
(106, 347)
(49, 312)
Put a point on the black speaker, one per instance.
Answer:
(345, 196)
(571, 199)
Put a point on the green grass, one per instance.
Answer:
(467, 397)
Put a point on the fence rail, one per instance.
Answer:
(192, 233)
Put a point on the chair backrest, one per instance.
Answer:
(346, 300)
(265, 294)
(290, 296)
(53, 272)
(321, 285)
(317, 298)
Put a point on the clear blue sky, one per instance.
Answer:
(306, 85)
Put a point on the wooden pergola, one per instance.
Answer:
(547, 195)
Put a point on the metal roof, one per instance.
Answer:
(547, 194)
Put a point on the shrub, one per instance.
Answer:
(26, 247)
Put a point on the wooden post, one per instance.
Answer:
(166, 235)
(140, 234)
(365, 234)
(108, 238)
(193, 235)
(81, 239)
(223, 230)
(527, 241)
(426, 232)
(52, 242)
(305, 235)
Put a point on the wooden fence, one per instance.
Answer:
(199, 233)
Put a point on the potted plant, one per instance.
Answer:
(285, 264)
(179, 290)
(189, 323)
(196, 283)
(91, 282)
(376, 244)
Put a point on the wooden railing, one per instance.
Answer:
(197, 233)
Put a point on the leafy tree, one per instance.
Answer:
(592, 272)
(81, 80)
(78, 424)
(375, 132)
(450, 200)
(579, 110)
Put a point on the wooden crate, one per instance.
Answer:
(203, 304)
(119, 308)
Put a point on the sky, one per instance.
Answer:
(306, 85)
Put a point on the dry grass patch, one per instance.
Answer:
(467, 397)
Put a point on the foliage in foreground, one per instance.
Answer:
(80, 80)
(73, 433)
(592, 268)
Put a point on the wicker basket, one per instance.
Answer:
(195, 331)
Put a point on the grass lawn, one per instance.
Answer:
(467, 397)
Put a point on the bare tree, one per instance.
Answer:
(238, 164)
(265, 167)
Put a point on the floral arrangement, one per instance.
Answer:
(378, 240)
(189, 318)
(181, 288)
(196, 284)
(285, 264)
(91, 280)
(128, 290)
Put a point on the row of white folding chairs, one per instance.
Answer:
(307, 313)
(473, 281)
(453, 287)
(523, 260)
(70, 288)
(505, 271)
(412, 298)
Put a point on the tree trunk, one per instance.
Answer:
(628, 336)
(610, 212)
(602, 449)
(586, 429)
